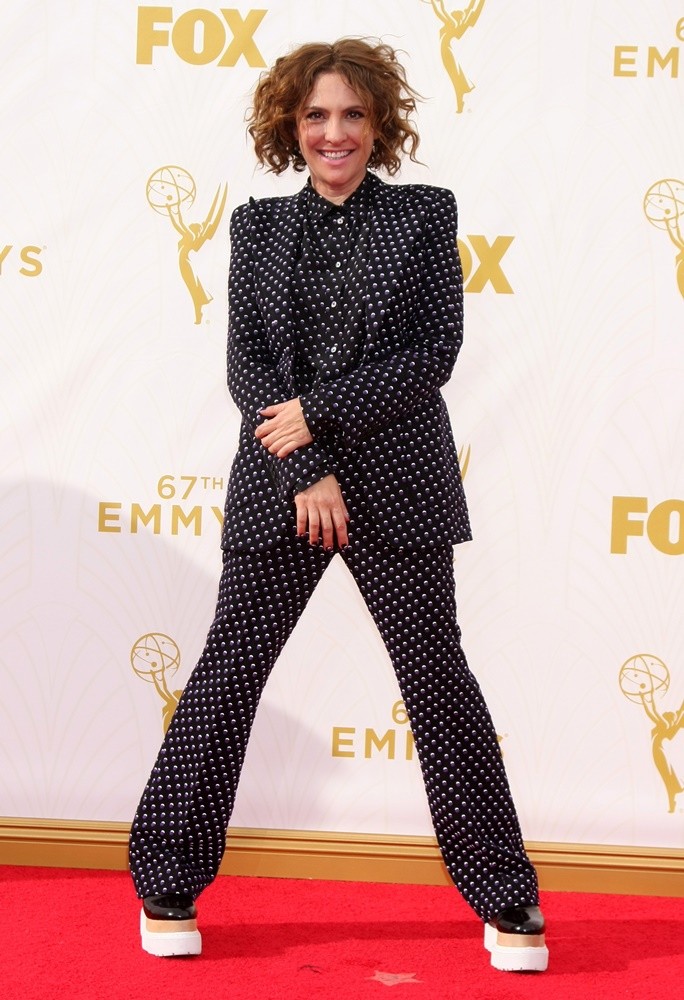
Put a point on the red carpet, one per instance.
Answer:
(74, 934)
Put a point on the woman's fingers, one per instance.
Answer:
(302, 519)
(281, 441)
(290, 446)
(284, 429)
(326, 529)
(314, 526)
(340, 520)
(322, 510)
(271, 411)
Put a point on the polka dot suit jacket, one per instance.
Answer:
(382, 428)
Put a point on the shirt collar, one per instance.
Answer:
(319, 208)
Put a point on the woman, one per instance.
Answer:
(345, 318)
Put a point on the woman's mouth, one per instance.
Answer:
(335, 154)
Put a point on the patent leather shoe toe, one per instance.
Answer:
(520, 920)
(175, 906)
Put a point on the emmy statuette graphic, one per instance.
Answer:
(664, 209)
(454, 26)
(155, 657)
(643, 678)
(170, 191)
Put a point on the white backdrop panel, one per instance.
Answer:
(567, 392)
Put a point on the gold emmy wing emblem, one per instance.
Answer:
(170, 191)
(155, 657)
(664, 208)
(464, 459)
(643, 678)
(464, 462)
(454, 27)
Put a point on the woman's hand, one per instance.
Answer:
(284, 429)
(322, 510)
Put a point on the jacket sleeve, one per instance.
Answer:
(252, 377)
(383, 389)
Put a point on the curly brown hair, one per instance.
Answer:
(373, 71)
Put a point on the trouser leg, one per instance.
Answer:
(410, 594)
(178, 834)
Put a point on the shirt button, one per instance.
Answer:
(339, 220)
(333, 304)
(338, 263)
(333, 349)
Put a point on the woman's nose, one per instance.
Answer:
(334, 129)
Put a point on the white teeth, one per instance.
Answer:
(330, 155)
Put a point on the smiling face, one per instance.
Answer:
(335, 137)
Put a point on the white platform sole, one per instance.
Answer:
(516, 952)
(166, 938)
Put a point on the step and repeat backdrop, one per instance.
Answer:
(559, 128)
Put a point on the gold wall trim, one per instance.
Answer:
(348, 857)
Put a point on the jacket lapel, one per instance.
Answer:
(390, 244)
(280, 247)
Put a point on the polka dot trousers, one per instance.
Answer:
(178, 835)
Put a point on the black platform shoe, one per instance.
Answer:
(168, 925)
(516, 940)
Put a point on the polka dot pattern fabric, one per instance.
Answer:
(178, 835)
(383, 427)
(328, 288)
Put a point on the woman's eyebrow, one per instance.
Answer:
(318, 107)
